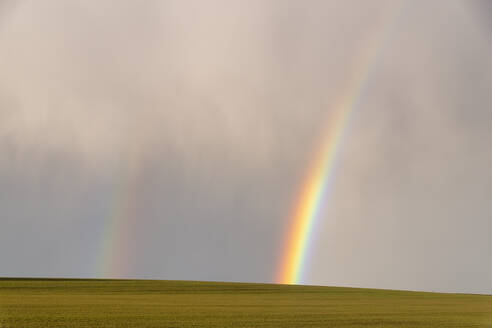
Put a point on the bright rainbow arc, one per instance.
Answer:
(320, 176)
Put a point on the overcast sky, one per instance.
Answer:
(191, 124)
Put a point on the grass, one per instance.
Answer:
(146, 303)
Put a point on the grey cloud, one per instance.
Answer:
(205, 115)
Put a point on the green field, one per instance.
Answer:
(146, 303)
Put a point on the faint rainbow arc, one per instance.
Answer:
(118, 242)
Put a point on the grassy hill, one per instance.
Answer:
(145, 303)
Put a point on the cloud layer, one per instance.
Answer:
(200, 119)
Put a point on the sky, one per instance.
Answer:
(169, 140)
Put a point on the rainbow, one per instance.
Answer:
(118, 247)
(320, 174)
(118, 243)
